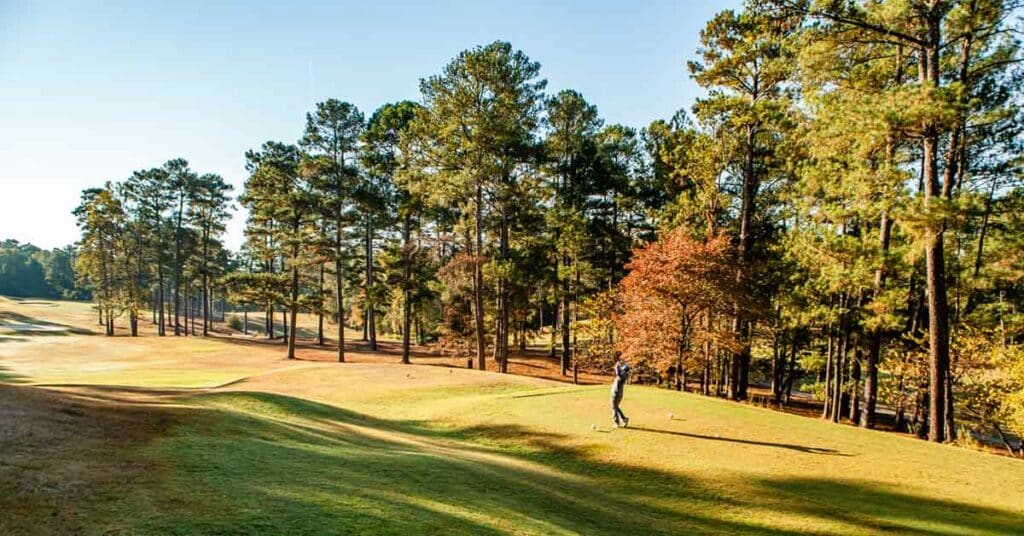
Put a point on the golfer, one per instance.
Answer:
(618, 384)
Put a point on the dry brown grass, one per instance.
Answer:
(60, 449)
(223, 357)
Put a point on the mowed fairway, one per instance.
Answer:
(223, 436)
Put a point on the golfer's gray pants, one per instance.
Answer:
(617, 416)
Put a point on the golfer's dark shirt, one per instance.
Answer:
(621, 374)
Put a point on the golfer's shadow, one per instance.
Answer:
(798, 448)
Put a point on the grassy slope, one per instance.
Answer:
(371, 447)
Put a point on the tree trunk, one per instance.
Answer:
(733, 381)
(294, 306)
(554, 328)
(854, 412)
(830, 357)
(270, 321)
(679, 353)
(339, 295)
(1005, 441)
(791, 373)
(366, 283)
(160, 284)
(284, 328)
(420, 337)
(503, 308)
(495, 354)
(841, 362)
(371, 316)
(867, 418)
(478, 280)
(705, 382)
(366, 319)
(954, 174)
(739, 377)
(921, 414)
(778, 358)
(566, 319)
(721, 374)
(950, 423)
(206, 288)
(320, 310)
(938, 325)
(938, 307)
(540, 313)
(406, 288)
(177, 264)
(901, 420)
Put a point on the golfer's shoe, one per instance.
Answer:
(625, 424)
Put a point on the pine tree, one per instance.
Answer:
(477, 137)
(745, 63)
(332, 132)
(279, 195)
(149, 192)
(943, 38)
(101, 217)
(571, 150)
(209, 209)
(384, 153)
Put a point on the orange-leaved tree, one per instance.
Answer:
(671, 285)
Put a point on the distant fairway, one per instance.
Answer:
(218, 436)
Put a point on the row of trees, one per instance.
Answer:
(27, 270)
(153, 241)
(865, 159)
(839, 214)
(473, 218)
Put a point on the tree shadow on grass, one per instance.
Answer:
(10, 377)
(306, 340)
(789, 446)
(259, 463)
(343, 468)
(29, 300)
(543, 393)
(875, 507)
(354, 473)
(27, 326)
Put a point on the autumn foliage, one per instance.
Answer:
(672, 287)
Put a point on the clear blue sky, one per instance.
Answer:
(91, 91)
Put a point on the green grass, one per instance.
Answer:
(261, 463)
(383, 448)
